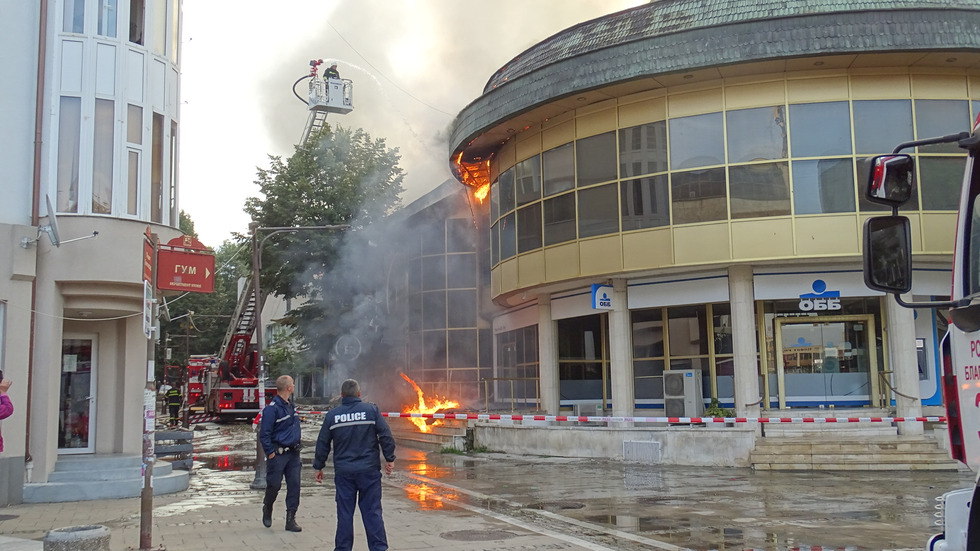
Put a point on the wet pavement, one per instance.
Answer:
(498, 501)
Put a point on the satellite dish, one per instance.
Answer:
(54, 234)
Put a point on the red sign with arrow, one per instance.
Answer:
(184, 264)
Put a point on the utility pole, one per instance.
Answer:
(149, 391)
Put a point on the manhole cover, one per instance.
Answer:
(477, 535)
(556, 505)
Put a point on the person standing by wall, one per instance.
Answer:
(357, 431)
(6, 406)
(280, 435)
(174, 400)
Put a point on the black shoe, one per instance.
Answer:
(291, 525)
(267, 515)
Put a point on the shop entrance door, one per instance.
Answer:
(830, 360)
(76, 420)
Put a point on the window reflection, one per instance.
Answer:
(559, 219)
(508, 237)
(643, 149)
(823, 186)
(941, 178)
(529, 228)
(645, 203)
(757, 134)
(760, 190)
(935, 118)
(820, 129)
(699, 196)
(558, 169)
(696, 141)
(505, 191)
(598, 212)
(528, 174)
(880, 125)
(596, 159)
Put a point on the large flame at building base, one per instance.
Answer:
(432, 406)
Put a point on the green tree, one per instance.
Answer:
(337, 177)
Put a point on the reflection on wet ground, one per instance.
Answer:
(635, 506)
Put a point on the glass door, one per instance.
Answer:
(76, 420)
(826, 360)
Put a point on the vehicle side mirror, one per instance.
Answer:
(888, 254)
(890, 179)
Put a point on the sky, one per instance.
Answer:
(414, 64)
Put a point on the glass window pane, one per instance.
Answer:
(174, 31)
(102, 157)
(134, 124)
(880, 125)
(598, 211)
(461, 271)
(757, 134)
(508, 237)
(494, 245)
(495, 201)
(74, 16)
(107, 17)
(648, 333)
(559, 219)
(132, 188)
(159, 27)
(529, 228)
(643, 149)
(940, 179)
(759, 190)
(462, 308)
(686, 328)
(721, 315)
(820, 129)
(156, 172)
(528, 173)
(825, 185)
(558, 169)
(433, 272)
(698, 196)
(648, 382)
(462, 348)
(934, 118)
(460, 235)
(69, 136)
(645, 203)
(433, 237)
(506, 191)
(434, 310)
(696, 141)
(596, 159)
(136, 9)
(434, 351)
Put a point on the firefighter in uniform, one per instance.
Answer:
(356, 430)
(331, 72)
(279, 434)
(174, 400)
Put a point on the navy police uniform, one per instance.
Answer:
(279, 434)
(357, 431)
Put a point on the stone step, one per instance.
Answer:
(877, 453)
(94, 486)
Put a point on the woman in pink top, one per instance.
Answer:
(6, 408)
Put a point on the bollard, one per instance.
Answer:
(93, 537)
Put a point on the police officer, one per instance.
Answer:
(356, 430)
(174, 400)
(279, 434)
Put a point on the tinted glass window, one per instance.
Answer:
(558, 169)
(645, 203)
(880, 125)
(643, 149)
(696, 141)
(508, 237)
(495, 201)
(528, 174)
(757, 134)
(825, 185)
(559, 219)
(940, 179)
(462, 309)
(759, 190)
(494, 245)
(433, 272)
(434, 310)
(506, 184)
(687, 330)
(934, 118)
(698, 196)
(529, 228)
(461, 271)
(820, 129)
(461, 235)
(596, 159)
(598, 211)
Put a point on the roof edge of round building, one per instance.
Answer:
(672, 36)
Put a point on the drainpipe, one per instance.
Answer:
(42, 38)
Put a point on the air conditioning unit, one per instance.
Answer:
(682, 393)
(587, 409)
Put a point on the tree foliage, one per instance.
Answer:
(338, 177)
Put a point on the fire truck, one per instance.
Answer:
(888, 268)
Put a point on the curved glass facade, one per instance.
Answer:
(727, 155)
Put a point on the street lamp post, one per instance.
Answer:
(258, 483)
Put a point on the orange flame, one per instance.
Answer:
(474, 174)
(436, 404)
